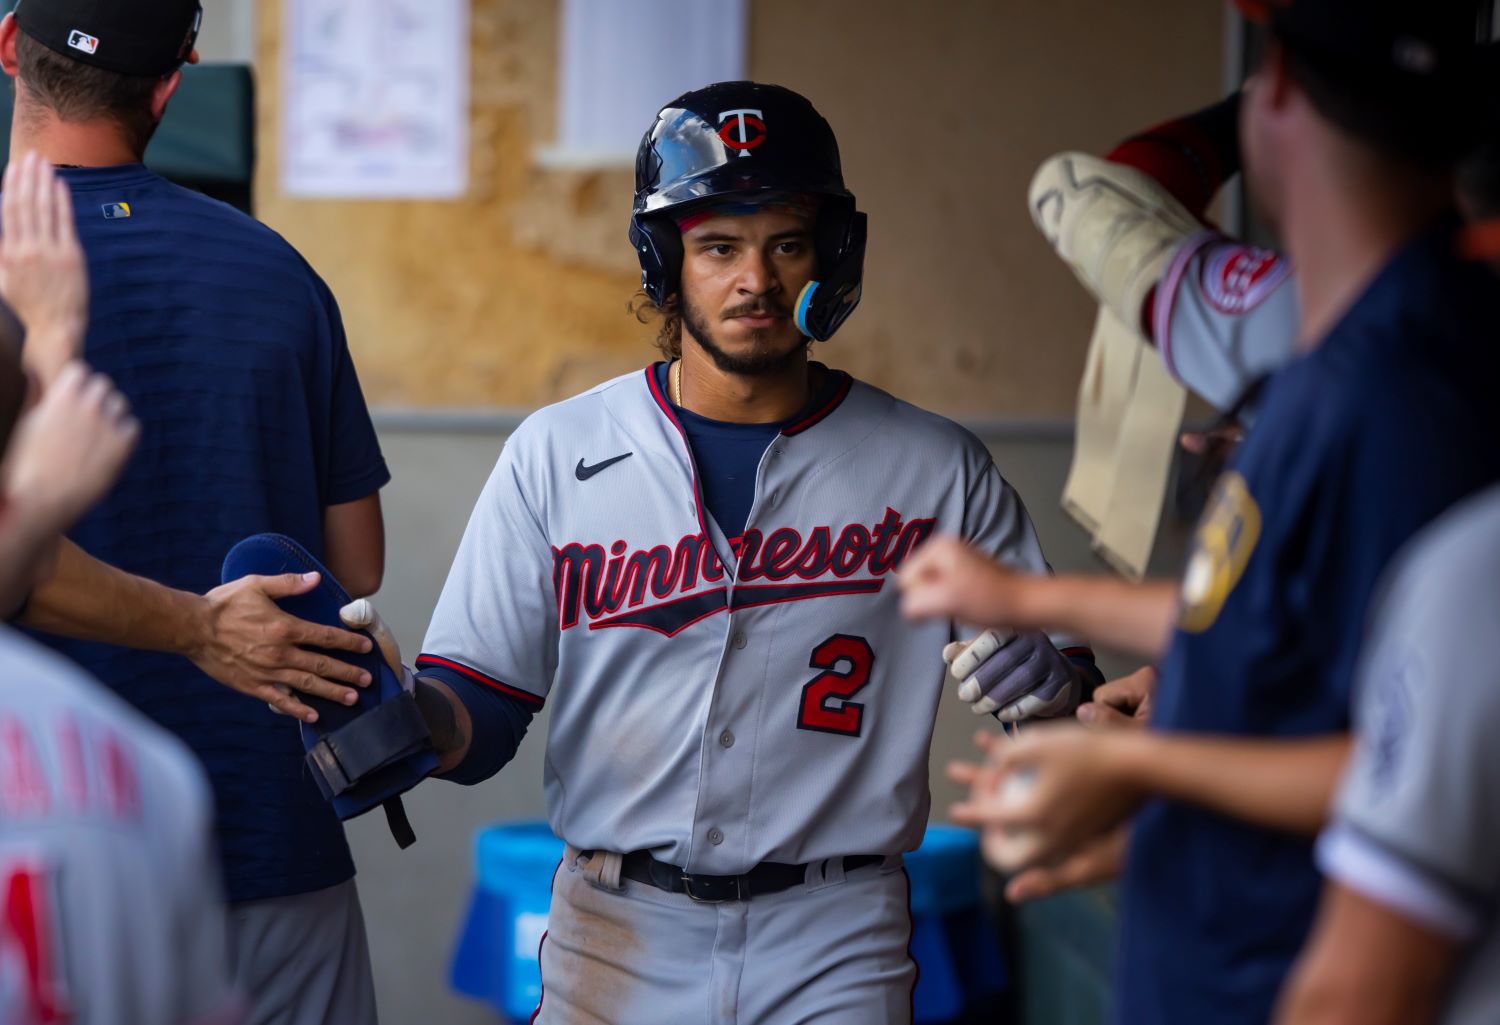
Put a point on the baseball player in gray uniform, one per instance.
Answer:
(1407, 931)
(109, 885)
(693, 565)
(110, 906)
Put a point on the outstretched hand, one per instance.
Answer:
(946, 578)
(69, 449)
(1047, 794)
(1122, 702)
(1094, 863)
(43, 275)
(248, 643)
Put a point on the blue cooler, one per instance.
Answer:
(961, 973)
(953, 939)
(496, 959)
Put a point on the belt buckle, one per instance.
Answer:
(711, 893)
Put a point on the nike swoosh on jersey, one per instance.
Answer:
(585, 472)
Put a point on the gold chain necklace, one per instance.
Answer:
(674, 384)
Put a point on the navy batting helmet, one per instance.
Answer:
(735, 139)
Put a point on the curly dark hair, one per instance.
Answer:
(669, 335)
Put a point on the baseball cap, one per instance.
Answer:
(129, 37)
(1431, 41)
(1402, 75)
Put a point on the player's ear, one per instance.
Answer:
(1275, 76)
(161, 95)
(8, 59)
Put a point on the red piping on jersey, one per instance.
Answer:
(542, 998)
(666, 408)
(911, 937)
(833, 403)
(435, 661)
(1480, 240)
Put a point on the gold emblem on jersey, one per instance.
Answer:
(1226, 536)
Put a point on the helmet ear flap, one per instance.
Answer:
(827, 302)
(658, 246)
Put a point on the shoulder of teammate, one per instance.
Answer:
(38, 678)
(1439, 591)
(1426, 713)
(215, 223)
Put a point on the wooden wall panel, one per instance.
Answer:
(515, 296)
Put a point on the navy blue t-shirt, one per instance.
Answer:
(233, 356)
(728, 455)
(1357, 446)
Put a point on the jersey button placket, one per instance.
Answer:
(726, 739)
(715, 836)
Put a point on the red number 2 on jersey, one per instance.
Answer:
(846, 663)
(27, 941)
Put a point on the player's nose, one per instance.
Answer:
(757, 275)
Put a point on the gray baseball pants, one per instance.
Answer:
(832, 951)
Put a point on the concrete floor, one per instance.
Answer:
(414, 900)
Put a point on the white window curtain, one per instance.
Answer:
(622, 59)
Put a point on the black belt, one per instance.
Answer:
(766, 878)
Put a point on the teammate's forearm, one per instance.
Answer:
(1133, 619)
(1286, 785)
(49, 348)
(89, 600)
(25, 546)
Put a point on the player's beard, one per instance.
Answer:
(763, 359)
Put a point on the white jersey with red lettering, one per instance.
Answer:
(1225, 316)
(723, 708)
(113, 911)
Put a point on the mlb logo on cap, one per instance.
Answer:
(82, 41)
(116, 211)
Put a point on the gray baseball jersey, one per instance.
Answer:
(1415, 827)
(719, 708)
(108, 880)
(1225, 316)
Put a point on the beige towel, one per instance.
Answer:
(1129, 414)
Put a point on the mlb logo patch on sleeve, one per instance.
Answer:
(82, 41)
(1237, 278)
(116, 211)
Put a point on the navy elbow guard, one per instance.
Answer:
(361, 755)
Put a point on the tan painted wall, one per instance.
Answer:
(516, 296)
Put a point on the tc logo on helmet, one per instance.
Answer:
(745, 132)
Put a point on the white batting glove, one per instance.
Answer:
(360, 614)
(1015, 676)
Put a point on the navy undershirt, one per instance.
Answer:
(728, 455)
